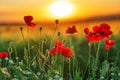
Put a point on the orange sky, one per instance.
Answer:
(15, 10)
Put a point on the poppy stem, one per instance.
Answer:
(40, 29)
(63, 65)
(89, 59)
(69, 69)
(107, 54)
(52, 39)
(55, 30)
(6, 59)
(28, 41)
(28, 47)
(95, 46)
(73, 63)
(22, 35)
(97, 54)
(52, 62)
(40, 39)
(53, 34)
(0, 62)
(117, 57)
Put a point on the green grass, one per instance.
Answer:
(30, 60)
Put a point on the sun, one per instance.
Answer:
(61, 8)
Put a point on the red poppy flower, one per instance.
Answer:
(3, 54)
(96, 29)
(53, 51)
(71, 30)
(58, 44)
(99, 33)
(57, 48)
(66, 52)
(109, 44)
(105, 26)
(86, 30)
(28, 20)
(92, 36)
(105, 30)
(61, 49)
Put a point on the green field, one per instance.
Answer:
(30, 59)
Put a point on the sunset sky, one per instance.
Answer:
(15, 10)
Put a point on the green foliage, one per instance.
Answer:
(35, 63)
(104, 69)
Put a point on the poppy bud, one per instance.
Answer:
(40, 28)
(21, 28)
(56, 21)
(58, 34)
(45, 40)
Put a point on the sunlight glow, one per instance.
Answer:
(61, 8)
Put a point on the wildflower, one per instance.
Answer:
(109, 44)
(57, 49)
(59, 46)
(66, 52)
(71, 30)
(61, 49)
(105, 30)
(3, 54)
(28, 20)
(98, 33)
(56, 21)
(53, 51)
(86, 30)
(91, 36)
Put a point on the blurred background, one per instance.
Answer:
(81, 13)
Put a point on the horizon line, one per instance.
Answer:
(90, 19)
